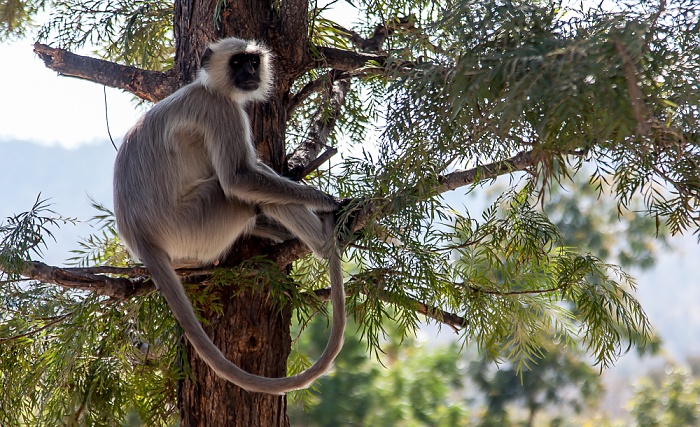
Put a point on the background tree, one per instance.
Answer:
(458, 94)
(668, 400)
(416, 384)
(560, 380)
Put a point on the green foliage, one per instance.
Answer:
(559, 382)
(24, 236)
(589, 220)
(672, 401)
(103, 247)
(133, 32)
(74, 358)
(509, 274)
(514, 305)
(416, 386)
(515, 76)
(16, 17)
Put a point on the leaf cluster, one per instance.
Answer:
(103, 247)
(132, 32)
(616, 87)
(24, 236)
(75, 359)
(16, 17)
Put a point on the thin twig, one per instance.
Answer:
(510, 293)
(56, 320)
(109, 133)
(452, 320)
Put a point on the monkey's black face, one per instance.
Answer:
(244, 70)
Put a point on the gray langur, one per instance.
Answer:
(188, 184)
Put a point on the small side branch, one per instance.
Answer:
(346, 60)
(53, 322)
(384, 207)
(314, 86)
(450, 319)
(323, 123)
(641, 111)
(298, 173)
(519, 162)
(149, 85)
(87, 280)
(95, 279)
(381, 32)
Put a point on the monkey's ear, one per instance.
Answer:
(205, 58)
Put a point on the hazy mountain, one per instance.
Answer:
(65, 177)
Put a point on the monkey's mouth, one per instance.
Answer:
(249, 85)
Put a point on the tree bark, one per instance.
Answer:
(254, 334)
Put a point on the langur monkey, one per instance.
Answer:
(188, 184)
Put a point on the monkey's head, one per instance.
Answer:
(237, 68)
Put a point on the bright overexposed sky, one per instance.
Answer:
(39, 105)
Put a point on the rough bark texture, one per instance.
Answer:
(254, 334)
(149, 85)
(193, 28)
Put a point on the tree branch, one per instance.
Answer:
(94, 279)
(641, 111)
(149, 85)
(55, 321)
(346, 60)
(369, 210)
(460, 178)
(87, 280)
(323, 123)
(298, 173)
(381, 32)
(450, 319)
(314, 86)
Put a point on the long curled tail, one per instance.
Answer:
(158, 264)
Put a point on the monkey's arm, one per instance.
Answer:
(242, 176)
(258, 184)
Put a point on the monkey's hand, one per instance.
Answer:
(328, 204)
(345, 218)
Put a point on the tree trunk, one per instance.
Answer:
(251, 332)
(254, 335)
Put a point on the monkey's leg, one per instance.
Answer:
(206, 223)
(304, 224)
(268, 228)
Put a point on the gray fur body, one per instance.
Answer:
(188, 184)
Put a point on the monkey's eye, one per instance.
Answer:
(234, 62)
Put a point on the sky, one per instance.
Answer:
(39, 105)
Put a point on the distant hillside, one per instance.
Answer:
(66, 177)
